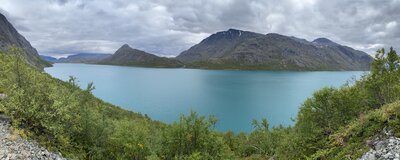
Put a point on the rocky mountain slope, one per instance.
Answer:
(9, 36)
(132, 57)
(216, 45)
(236, 49)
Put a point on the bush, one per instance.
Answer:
(193, 137)
(333, 124)
(67, 119)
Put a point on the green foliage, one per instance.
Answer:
(192, 137)
(65, 118)
(126, 146)
(331, 109)
(382, 84)
(324, 113)
(318, 132)
(31, 105)
(334, 123)
(350, 141)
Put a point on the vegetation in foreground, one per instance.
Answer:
(334, 123)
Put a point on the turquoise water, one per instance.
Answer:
(234, 97)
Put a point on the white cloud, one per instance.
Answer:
(167, 27)
(391, 25)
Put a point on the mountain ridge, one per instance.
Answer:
(272, 52)
(84, 58)
(89, 58)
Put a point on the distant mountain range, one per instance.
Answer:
(236, 49)
(128, 56)
(49, 58)
(231, 49)
(9, 36)
(78, 58)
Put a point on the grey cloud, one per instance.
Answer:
(167, 27)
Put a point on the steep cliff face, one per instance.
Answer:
(238, 49)
(9, 36)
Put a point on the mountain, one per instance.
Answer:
(84, 58)
(48, 58)
(324, 42)
(132, 57)
(9, 36)
(216, 46)
(78, 58)
(236, 49)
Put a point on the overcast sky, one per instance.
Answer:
(167, 27)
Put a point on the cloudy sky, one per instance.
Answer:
(167, 27)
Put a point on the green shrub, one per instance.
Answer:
(193, 136)
(65, 118)
(332, 124)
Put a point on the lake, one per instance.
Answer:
(234, 97)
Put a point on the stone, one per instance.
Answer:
(3, 96)
(19, 148)
(383, 148)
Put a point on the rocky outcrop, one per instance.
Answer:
(9, 36)
(387, 147)
(384, 149)
(12, 146)
(3, 96)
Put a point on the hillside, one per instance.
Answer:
(128, 56)
(64, 118)
(84, 58)
(9, 36)
(334, 123)
(376, 130)
(236, 49)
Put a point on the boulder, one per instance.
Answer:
(3, 96)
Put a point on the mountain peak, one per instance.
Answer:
(324, 41)
(125, 46)
(233, 30)
(230, 35)
(126, 55)
(126, 49)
